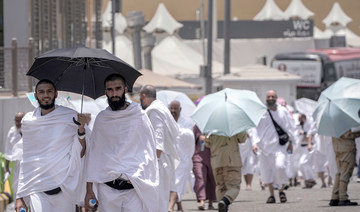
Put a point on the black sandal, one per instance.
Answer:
(271, 199)
(282, 196)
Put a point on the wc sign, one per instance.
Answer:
(299, 28)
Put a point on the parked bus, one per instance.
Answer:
(319, 68)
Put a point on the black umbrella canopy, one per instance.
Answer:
(81, 70)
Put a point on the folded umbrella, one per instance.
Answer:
(338, 107)
(228, 112)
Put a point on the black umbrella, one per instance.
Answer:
(81, 70)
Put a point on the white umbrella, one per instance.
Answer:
(305, 106)
(187, 106)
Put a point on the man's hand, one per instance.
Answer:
(20, 204)
(82, 119)
(255, 149)
(90, 195)
(290, 148)
(309, 147)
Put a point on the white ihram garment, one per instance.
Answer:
(273, 155)
(306, 161)
(247, 156)
(13, 152)
(51, 159)
(113, 200)
(320, 150)
(183, 172)
(166, 130)
(122, 143)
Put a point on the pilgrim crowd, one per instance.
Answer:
(145, 157)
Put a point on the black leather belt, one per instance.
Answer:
(303, 145)
(53, 191)
(119, 184)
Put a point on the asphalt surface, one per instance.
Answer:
(299, 199)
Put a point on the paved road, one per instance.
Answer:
(315, 199)
(304, 200)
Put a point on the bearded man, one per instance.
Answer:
(122, 161)
(53, 149)
(273, 154)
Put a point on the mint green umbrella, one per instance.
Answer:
(338, 107)
(228, 112)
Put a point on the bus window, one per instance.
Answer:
(329, 73)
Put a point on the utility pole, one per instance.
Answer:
(136, 21)
(113, 6)
(208, 73)
(227, 37)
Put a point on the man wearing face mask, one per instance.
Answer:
(273, 154)
(122, 161)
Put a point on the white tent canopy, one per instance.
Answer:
(318, 34)
(336, 16)
(162, 20)
(120, 21)
(172, 57)
(123, 49)
(347, 33)
(270, 11)
(298, 9)
(351, 38)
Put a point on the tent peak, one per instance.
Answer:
(163, 21)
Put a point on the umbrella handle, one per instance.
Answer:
(76, 122)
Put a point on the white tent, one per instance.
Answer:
(298, 9)
(351, 38)
(120, 21)
(163, 21)
(318, 34)
(172, 57)
(336, 16)
(123, 48)
(270, 11)
(347, 33)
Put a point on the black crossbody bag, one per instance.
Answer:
(283, 136)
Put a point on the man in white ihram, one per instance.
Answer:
(273, 155)
(14, 150)
(166, 130)
(122, 161)
(186, 147)
(53, 149)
